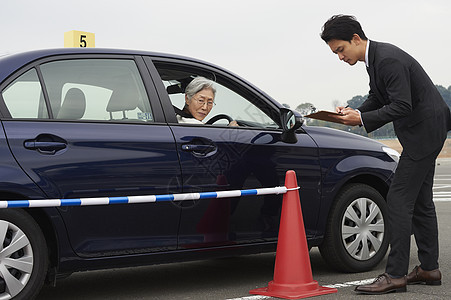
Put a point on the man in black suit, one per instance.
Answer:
(400, 92)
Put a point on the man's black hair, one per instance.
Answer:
(342, 27)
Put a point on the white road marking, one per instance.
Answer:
(438, 186)
(442, 188)
(335, 286)
(256, 297)
(442, 199)
(350, 283)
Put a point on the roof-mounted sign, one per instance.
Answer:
(79, 39)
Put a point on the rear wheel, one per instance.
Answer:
(356, 238)
(23, 255)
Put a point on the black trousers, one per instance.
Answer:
(411, 209)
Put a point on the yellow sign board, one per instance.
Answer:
(79, 39)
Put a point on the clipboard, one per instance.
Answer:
(328, 116)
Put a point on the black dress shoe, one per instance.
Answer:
(383, 284)
(420, 276)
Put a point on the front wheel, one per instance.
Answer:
(356, 238)
(23, 255)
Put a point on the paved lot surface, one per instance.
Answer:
(232, 278)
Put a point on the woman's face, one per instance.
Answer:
(201, 103)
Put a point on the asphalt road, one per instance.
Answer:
(232, 278)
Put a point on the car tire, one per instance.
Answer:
(24, 256)
(356, 242)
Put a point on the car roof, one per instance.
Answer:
(11, 62)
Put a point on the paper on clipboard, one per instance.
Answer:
(326, 116)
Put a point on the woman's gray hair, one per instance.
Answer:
(198, 84)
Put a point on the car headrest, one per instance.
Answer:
(74, 105)
(125, 96)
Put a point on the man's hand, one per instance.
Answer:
(349, 116)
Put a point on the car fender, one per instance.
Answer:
(371, 170)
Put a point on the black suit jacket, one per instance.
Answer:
(401, 92)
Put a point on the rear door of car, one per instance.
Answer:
(92, 126)
(220, 157)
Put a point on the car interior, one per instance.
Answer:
(229, 105)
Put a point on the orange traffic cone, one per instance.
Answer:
(292, 272)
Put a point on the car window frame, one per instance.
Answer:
(245, 90)
(152, 95)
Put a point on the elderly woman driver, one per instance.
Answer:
(199, 100)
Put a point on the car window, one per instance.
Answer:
(240, 108)
(227, 100)
(24, 97)
(96, 89)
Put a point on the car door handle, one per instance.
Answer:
(47, 147)
(44, 145)
(198, 148)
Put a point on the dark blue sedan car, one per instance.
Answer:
(87, 123)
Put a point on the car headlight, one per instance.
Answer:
(392, 153)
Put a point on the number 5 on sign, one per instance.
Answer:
(79, 39)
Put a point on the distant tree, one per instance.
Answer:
(446, 93)
(305, 108)
(356, 101)
(336, 103)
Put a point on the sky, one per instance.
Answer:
(275, 45)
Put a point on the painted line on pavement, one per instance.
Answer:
(336, 286)
(257, 297)
(442, 199)
(441, 187)
(350, 283)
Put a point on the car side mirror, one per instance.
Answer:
(290, 123)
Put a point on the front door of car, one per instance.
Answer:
(219, 157)
(100, 138)
(240, 158)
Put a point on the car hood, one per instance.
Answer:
(332, 138)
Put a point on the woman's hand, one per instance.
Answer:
(233, 123)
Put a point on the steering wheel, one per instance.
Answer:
(219, 117)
